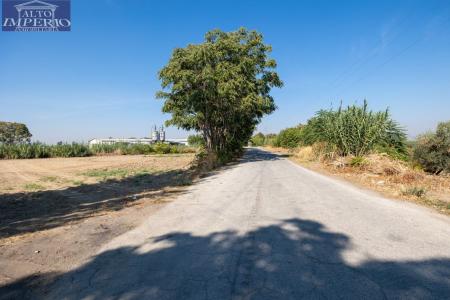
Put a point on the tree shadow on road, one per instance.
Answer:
(34, 211)
(291, 259)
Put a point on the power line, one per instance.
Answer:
(391, 58)
(364, 60)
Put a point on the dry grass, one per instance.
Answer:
(379, 172)
(38, 195)
(59, 173)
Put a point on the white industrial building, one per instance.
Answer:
(157, 135)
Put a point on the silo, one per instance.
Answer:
(162, 134)
(155, 135)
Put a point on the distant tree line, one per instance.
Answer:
(40, 150)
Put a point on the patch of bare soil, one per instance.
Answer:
(62, 222)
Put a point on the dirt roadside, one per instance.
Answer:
(60, 225)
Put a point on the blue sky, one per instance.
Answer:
(99, 80)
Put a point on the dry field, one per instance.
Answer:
(31, 175)
(46, 193)
(55, 213)
(391, 178)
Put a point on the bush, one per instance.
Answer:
(270, 139)
(358, 161)
(432, 150)
(196, 140)
(355, 130)
(258, 139)
(392, 152)
(162, 148)
(419, 192)
(290, 137)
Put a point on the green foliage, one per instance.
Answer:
(258, 139)
(14, 133)
(33, 187)
(415, 191)
(393, 152)
(355, 130)
(162, 148)
(105, 174)
(196, 140)
(36, 150)
(220, 88)
(69, 150)
(117, 148)
(290, 137)
(358, 161)
(39, 150)
(432, 150)
(270, 139)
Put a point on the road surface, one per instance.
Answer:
(269, 229)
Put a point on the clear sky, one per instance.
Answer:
(99, 80)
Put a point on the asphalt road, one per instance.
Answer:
(268, 229)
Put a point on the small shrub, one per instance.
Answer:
(107, 173)
(392, 152)
(33, 187)
(411, 177)
(162, 148)
(49, 179)
(78, 182)
(390, 171)
(358, 161)
(419, 192)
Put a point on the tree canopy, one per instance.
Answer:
(220, 88)
(14, 133)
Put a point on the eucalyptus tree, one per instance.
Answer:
(220, 88)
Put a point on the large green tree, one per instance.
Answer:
(13, 133)
(220, 88)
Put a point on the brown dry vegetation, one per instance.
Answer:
(55, 213)
(59, 173)
(379, 172)
(38, 195)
